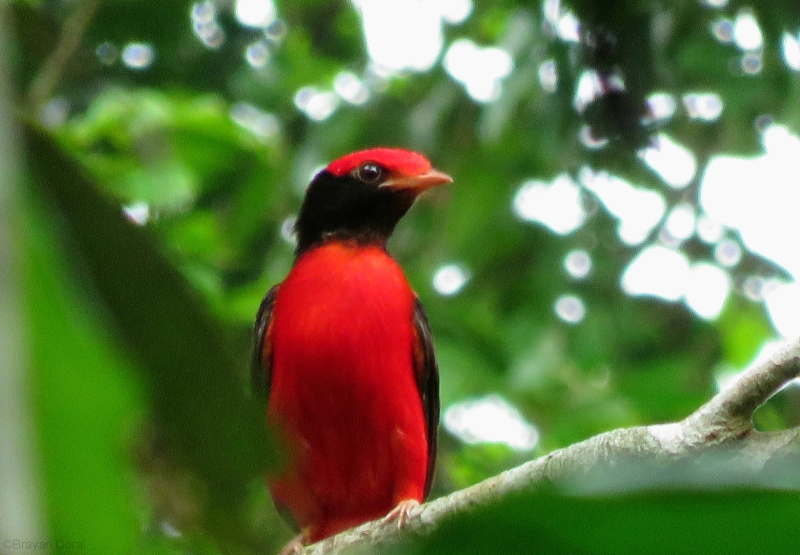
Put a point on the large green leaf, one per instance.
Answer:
(195, 386)
(87, 401)
(740, 521)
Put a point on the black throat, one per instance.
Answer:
(344, 208)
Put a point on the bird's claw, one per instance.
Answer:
(402, 512)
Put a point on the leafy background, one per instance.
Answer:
(133, 327)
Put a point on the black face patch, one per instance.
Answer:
(350, 207)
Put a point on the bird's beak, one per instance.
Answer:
(417, 183)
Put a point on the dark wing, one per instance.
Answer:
(427, 374)
(261, 365)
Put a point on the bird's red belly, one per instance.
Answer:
(343, 394)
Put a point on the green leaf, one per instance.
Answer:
(195, 385)
(87, 402)
(725, 522)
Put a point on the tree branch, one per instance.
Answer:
(725, 420)
(68, 41)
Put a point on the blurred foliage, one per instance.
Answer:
(710, 505)
(726, 522)
(139, 335)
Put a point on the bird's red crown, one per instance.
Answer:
(395, 160)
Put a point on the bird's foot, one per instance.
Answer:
(295, 546)
(402, 512)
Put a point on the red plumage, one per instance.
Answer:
(349, 408)
(344, 355)
(403, 162)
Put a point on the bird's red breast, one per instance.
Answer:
(344, 393)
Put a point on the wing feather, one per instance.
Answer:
(261, 364)
(427, 374)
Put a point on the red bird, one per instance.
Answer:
(344, 357)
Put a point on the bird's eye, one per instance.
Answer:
(369, 173)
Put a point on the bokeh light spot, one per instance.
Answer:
(138, 55)
(722, 29)
(205, 26)
(703, 106)
(661, 106)
(490, 420)
(657, 271)
(450, 279)
(548, 76)
(350, 88)
(728, 253)
(753, 288)
(276, 31)
(707, 289)
(790, 49)
(783, 305)
(588, 89)
(578, 264)
(317, 105)
(674, 163)
(255, 13)
(557, 205)
(455, 11)
(752, 63)
(389, 23)
(287, 230)
(138, 212)
(759, 196)
(746, 32)
(708, 229)
(263, 124)
(55, 112)
(480, 70)
(203, 12)
(570, 309)
(681, 222)
(257, 54)
(637, 209)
